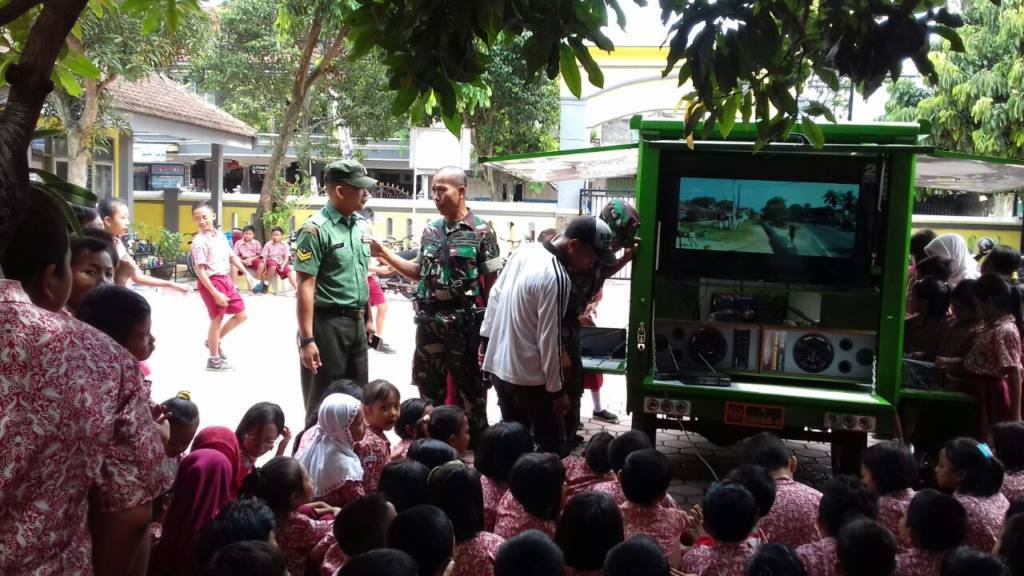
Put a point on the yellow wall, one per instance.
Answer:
(1001, 234)
(150, 213)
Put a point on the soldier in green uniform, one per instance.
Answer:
(623, 220)
(458, 262)
(331, 260)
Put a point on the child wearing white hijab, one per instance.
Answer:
(334, 469)
(953, 248)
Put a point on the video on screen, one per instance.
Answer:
(768, 217)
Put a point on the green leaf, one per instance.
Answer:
(594, 74)
(813, 132)
(136, 5)
(68, 192)
(152, 20)
(729, 109)
(620, 16)
(829, 77)
(956, 43)
(747, 106)
(453, 123)
(403, 100)
(816, 109)
(67, 81)
(81, 65)
(570, 72)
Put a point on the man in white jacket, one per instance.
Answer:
(522, 344)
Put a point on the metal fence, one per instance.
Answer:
(592, 200)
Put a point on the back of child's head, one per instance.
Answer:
(918, 240)
(531, 552)
(425, 533)
(86, 215)
(730, 512)
(638, 556)
(993, 292)
(1008, 442)
(758, 482)
(1002, 260)
(363, 525)
(843, 499)
(934, 267)
(256, 417)
(410, 413)
(455, 489)
(645, 477)
(404, 483)
(536, 481)
(625, 444)
(445, 422)
(500, 446)
(241, 520)
(596, 452)
(865, 548)
(431, 453)
(114, 310)
(978, 471)
(891, 467)
(183, 416)
(937, 522)
(767, 451)
(251, 558)
(590, 525)
(380, 390)
(962, 298)
(384, 562)
(40, 243)
(1011, 544)
(342, 386)
(774, 559)
(965, 561)
(936, 293)
(275, 483)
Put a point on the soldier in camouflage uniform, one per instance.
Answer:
(458, 262)
(624, 221)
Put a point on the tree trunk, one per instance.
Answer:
(80, 132)
(29, 84)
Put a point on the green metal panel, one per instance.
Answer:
(878, 133)
(889, 371)
(641, 286)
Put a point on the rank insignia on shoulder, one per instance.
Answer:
(303, 255)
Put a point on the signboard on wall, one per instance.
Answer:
(143, 153)
(434, 148)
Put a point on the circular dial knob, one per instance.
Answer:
(813, 353)
(708, 346)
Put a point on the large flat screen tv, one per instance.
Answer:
(770, 218)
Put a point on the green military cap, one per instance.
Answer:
(350, 172)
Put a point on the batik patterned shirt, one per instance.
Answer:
(513, 519)
(1013, 486)
(579, 477)
(374, 452)
(276, 252)
(211, 249)
(997, 352)
(493, 492)
(819, 557)
(297, 536)
(985, 518)
(246, 250)
(475, 557)
(75, 430)
(721, 560)
(791, 520)
(917, 562)
(892, 507)
(664, 525)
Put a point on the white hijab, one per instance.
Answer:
(330, 459)
(953, 248)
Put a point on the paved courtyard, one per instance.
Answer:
(266, 363)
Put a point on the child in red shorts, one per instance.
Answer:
(276, 255)
(213, 259)
(250, 252)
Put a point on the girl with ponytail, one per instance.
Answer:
(283, 484)
(974, 475)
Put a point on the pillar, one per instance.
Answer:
(125, 171)
(572, 134)
(215, 177)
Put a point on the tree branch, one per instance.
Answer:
(329, 57)
(14, 10)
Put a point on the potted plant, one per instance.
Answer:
(168, 248)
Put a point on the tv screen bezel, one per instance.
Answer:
(689, 263)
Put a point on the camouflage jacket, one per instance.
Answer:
(472, 252)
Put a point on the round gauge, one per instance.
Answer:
(708, 346)
(813, 353)
(865, 356)
(846, 344)
(845, 367)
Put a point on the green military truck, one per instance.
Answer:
(768, 290)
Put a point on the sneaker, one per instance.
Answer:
(223, 356)
(606, 416)
(217, 365)
(386, 348)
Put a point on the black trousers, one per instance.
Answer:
(341, 340)
(533, 407)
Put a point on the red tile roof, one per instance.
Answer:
(164, 98)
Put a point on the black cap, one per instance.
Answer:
(594, 233)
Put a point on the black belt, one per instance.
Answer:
(357, 313)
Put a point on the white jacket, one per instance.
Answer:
(524, 319)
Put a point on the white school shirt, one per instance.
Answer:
(523, 320)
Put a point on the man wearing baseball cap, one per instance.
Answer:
(521, 332)
(331, 261)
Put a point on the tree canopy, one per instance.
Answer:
(977, 105)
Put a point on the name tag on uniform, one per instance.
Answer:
(338, 245)
(365, 239)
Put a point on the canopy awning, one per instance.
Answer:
(939, 169)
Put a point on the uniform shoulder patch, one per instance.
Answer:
(303, 255)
